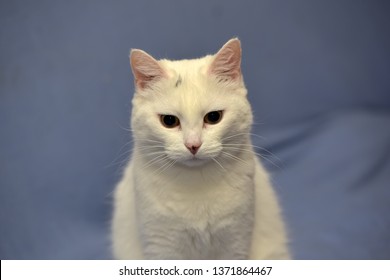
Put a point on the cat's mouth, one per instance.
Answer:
(194, 161)
(186, 158)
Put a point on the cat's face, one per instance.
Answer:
(189, 112)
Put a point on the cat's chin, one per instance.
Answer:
(194, 162)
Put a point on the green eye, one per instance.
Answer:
(169, 121)
(213, 117)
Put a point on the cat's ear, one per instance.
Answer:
(145, 68)
(226, 64)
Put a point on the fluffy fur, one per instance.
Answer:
(216, 203)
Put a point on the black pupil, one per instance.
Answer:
(169, 120)
(213, 117)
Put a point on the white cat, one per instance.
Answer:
(194, 188)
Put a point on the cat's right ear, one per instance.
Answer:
(146, 69)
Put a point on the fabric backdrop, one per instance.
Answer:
(318, 76)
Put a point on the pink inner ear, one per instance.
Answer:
(227, 62)
(145, 68)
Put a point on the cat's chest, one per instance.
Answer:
(196, 201)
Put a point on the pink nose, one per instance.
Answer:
(193, 148)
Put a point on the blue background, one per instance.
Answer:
(318, 75)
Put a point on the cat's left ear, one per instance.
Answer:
(227, 61)
(146, 69)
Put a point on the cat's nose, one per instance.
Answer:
(192, 147)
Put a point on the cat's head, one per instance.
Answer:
(190, 112)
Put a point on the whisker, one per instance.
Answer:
(124, 128)
(234, 135)
(146, 140)
(244, 133)
(154, 160)
(139, 156)
(168, 163)
(217, 162)
(148, 154)
(142, 148)
(150, 140)
(256, 147)
(234, 157)
(164, 167)
(265, 157)
(269, 160)
(118, 163)
(114, 161)
(268, 151)
(173, 162)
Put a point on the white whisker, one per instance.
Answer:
(164, 167)
(155, 160)
(150, 140)
(270, 161)
(234, 135)
(258, 154)
(142, 148)
(121, 154)
(217, 162)
(241, 134)
(234, 157)
(254, 146)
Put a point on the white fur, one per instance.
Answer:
(218, 204)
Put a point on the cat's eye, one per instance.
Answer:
(169, 121)
(213, 117)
